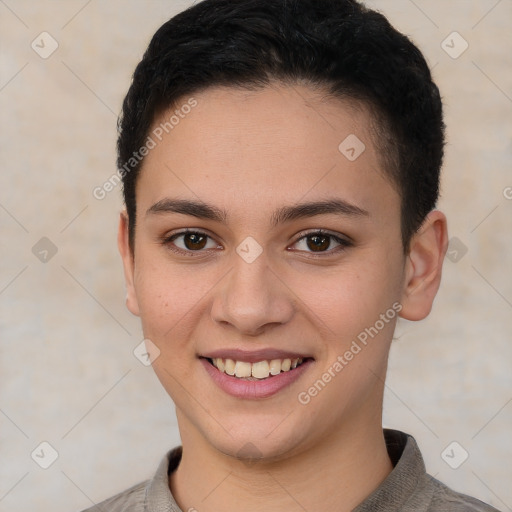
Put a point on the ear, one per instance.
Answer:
(128, 263)
(423, 267)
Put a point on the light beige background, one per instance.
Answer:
(68, 374)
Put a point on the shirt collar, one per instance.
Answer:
(403, 489)
(158, 494)
(406, 487)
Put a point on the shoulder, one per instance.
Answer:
(445, 499)
(148, 495)
(409, 488)
(131, 500)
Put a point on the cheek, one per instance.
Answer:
(167, 305)
(171, 299)
(162, 295)
(350, 298)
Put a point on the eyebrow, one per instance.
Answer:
(283, 214)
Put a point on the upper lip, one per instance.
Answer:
(253, 356)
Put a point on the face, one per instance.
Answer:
(293, 252)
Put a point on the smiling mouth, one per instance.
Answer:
(257, 371)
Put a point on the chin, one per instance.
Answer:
(254, 442)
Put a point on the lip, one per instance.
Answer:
(254, 389)
(254, 356)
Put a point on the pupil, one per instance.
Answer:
(194, 241)
(320, 242)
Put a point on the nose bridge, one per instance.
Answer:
(252, 296)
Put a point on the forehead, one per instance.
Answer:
(260, 148)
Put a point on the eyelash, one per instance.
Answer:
(343, 243)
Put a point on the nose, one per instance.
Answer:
(252, 298)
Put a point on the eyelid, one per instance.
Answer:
(343, 241)
(323, 232)
(185, 231)
(168, 241)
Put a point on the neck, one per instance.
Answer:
(336, 474)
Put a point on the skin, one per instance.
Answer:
(251, 153)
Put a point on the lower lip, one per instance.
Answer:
(253, 389)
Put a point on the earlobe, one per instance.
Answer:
(128, 263)
(424, 267)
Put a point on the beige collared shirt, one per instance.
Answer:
(408, 488)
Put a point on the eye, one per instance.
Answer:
(186, 242)
(320, 241)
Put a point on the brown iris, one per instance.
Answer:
(194, 241)
(319, 242)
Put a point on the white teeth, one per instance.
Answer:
(229, 367)
(258, 370)
(275, 366)
(242, 369)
